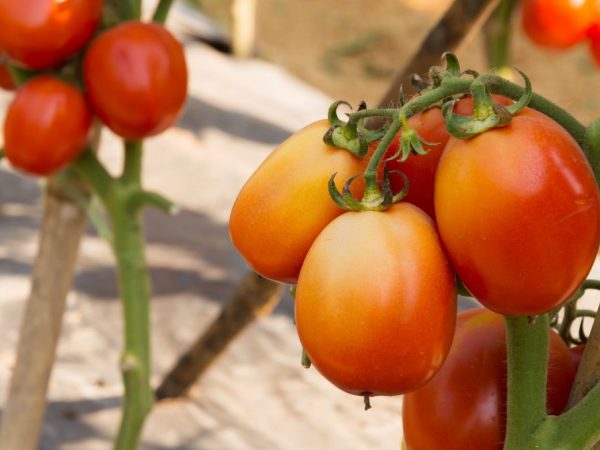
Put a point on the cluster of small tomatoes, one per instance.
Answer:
(560, 24)
(514, 213)
(133, 77)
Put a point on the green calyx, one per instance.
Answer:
(378, 196)
(410, 143)
(486, 114)
(350, 135)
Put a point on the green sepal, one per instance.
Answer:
(345, 134)
(347, 194)
(335, 194)
(452, 64)
(467, 127)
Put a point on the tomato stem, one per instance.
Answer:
(527, 345)
(123, 199)
(162, 11)
(367, 400)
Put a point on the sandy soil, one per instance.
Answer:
(257, 396)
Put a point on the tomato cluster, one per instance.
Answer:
(133, 78)
(513, 212)
(559, 24)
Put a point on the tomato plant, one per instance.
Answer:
(558, 23)
(46, 126)
(285, 204)
(143, 67)
(376, 301)
(464, 405)
(484, 188)
(41, 34)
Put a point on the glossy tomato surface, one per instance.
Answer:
(558, 23)
(46, 127)
(285, 204)
(518, 211)
(464, 406)
(136, 79)
(376, 301)
(41, 34)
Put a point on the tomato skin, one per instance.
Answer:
(558, 23)
(518, 211)
(143, 68)
(594, 43)
(376, 301)
(577, 354)
(464, 406)
(46, 127)
(41, 34)
(285, 204)
(6, 81)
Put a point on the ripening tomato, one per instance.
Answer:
(558, 23)
(518, 211)
(285, 204)
(420, 169)
(6, 80)
(136, 79)
(376, 301)
(41, 34)
(46, 127)
(463, 407)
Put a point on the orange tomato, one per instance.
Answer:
(376, 301)
(285, 204)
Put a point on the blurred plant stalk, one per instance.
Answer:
(243, 14)
(63, 225)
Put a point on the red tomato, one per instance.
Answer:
(464, 406)
(518, 211)
(46, 126)
(594, 35)
(136, 79)
(285, 204)
(558, 23)
(577, 354)
(6, 81)
(376, 301)
(43, 33)
(420, 169)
